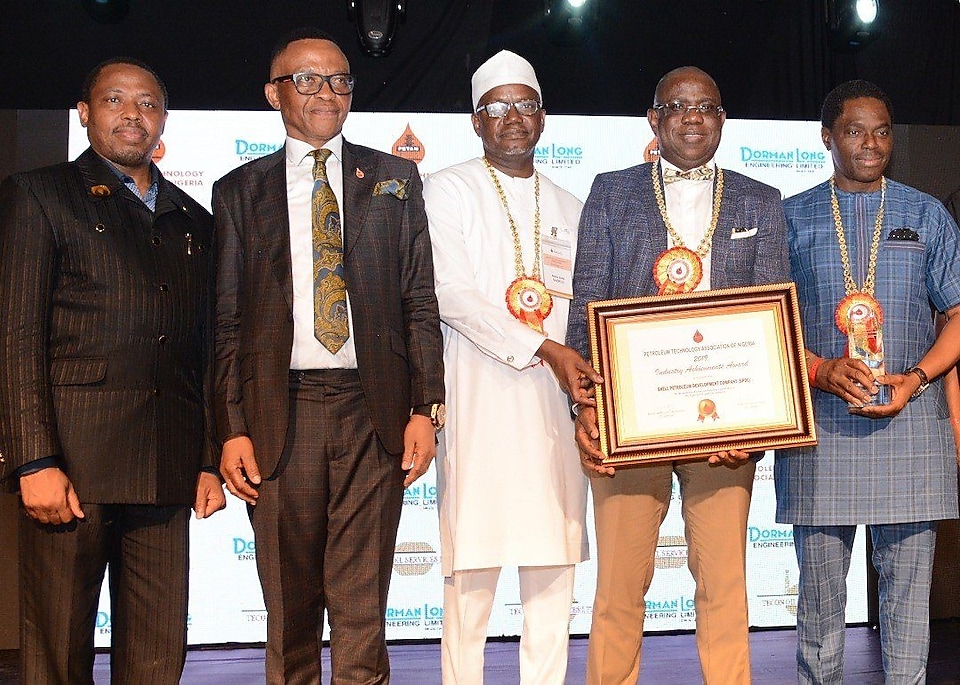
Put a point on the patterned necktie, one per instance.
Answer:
(330, 324)
(700, 173)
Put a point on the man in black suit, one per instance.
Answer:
(329, 371)
(104, 318)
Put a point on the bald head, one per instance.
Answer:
(678, 75)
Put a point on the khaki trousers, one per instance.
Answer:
(628, 510)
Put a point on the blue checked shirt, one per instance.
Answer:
(864, 470)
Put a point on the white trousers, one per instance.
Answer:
(546, 593)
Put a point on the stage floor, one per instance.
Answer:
(666, 659)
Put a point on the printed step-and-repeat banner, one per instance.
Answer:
(226, 604)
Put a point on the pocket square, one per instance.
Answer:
(742, 232)
(398, 187)
(904, 234)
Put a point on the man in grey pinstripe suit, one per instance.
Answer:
(105, 276)
(863, 239)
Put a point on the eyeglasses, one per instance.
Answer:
(705, 109)
(498, 110)
(311, 84)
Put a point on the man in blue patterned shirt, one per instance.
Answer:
(873, 259)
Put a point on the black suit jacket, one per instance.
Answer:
(104, 310)
(388, 268)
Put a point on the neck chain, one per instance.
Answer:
(849, 284)
(517, 248)
(704, 247)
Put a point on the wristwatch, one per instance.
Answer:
(924, 381)
(437, 413)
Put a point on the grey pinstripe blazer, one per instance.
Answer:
(389, 275)
(104, 309)
(622, 233)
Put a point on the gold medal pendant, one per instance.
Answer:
(528, 300)
(677, 270)
(857, 308)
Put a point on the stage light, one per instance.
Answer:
(106, 11)
(569, 21)
(376, 23)
(851, 24)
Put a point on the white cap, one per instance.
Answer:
(504, 68)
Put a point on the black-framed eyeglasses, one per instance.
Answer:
(705, 109)
(308, 83)
(498, 110)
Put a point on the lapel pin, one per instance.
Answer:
(100, 191)
(359, 173)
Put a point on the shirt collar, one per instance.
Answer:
(298, 150)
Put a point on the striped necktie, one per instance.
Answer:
(330, 323)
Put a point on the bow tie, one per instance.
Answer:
(700, 173)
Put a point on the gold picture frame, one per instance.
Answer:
(686, 376)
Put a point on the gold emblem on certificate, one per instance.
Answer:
(528, 300)
(677, 270)
(707, 408)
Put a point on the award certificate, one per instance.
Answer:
(690, 375)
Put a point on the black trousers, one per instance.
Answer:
(61, 573)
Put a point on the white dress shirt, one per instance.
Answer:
(308, 353)
(690, 209)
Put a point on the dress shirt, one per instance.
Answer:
(690, 208)
(308, 353)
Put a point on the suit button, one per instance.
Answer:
(162, 340)
(164, 287)
(155, 241)
(156, 391)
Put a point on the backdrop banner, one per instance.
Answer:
(226, 604)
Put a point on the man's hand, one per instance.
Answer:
(732, 459)
(210, 497)
(48, 496)
(848, 379)
(239, 469)
(570, 369)
(902, 387)
(419, 447)
(588, 442)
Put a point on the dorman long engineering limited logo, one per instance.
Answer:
(421, 495)
(795, 159)
(244, 549)
(409, 146)
(427, 616)
(247, 150)
(414, 558)
(762, 538)
(667, 608)
(558, 155)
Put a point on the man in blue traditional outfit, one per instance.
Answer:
(873, 260)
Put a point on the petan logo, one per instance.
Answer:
(770, 537)
(159, 152)
(246, 550)
(409, 146)
(558, 156)
(795, 159)
(671, 552)
(414, 558)
(247, 150)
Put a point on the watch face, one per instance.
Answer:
(439, 415)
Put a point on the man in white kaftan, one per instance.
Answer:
(511, 489)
